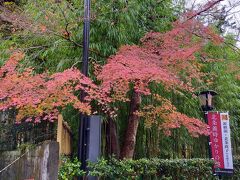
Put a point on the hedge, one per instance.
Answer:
(174, 169)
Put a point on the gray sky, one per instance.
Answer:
(233, 9)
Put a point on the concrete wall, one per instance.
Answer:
(40, 163)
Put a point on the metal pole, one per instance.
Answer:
(83, 123)
(208, 138)
(205, 111)
(86, 35)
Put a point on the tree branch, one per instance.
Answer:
(205, 9)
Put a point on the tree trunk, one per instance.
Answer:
(112, 138)
(127, 150)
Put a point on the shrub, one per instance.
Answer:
(69, 169)
(154, 168)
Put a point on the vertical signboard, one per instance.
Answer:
(226, 139)
(220, 142)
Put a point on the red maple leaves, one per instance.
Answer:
(160, 59)
(40, 95)
(164, 115)
(133, 65)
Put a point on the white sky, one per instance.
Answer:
(233, 8)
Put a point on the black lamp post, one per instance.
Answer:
(89, 137)
(83, 143)
(206, 101)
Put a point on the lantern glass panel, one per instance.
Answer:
(203, 99)
(210, 102)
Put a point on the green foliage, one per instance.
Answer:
(26, 146)
(133, 169)
(181, 169)
(69, 169)
(54, 41)
(179, 144)
(224, 77)
(142, 168)
(114, 23)
(236, 166)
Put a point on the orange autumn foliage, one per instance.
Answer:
(161, 58)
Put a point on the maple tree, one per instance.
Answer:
(160, 59)
(165, 58)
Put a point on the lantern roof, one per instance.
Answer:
(213, 93)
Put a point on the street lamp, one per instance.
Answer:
(83, 133)
(206, 99)
(89, 130)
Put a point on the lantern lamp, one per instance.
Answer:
(206, 100)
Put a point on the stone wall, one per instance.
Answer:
(39, 163)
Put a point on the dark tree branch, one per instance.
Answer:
(204, 9)
(22, 22)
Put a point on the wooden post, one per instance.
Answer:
(59, 132)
